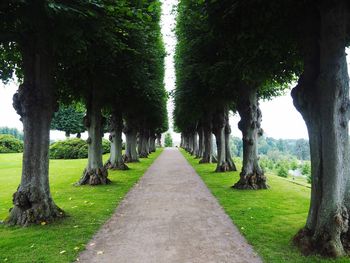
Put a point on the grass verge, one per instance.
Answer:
(88, 208)
(267, 218)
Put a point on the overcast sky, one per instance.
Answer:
(280, 118)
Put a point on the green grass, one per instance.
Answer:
(267, 218)
(88, 208)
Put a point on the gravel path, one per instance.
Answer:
(169, 216)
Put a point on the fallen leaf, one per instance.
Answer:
(75, 226)
(43, 223)
(99, 252)
(32, 246)
(62, 252)
(92, 244)
(76, 248)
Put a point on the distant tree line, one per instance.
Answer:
(12, 131)
(275, 148)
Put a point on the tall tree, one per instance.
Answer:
(69, 119)
(322, 98)
(33, 36)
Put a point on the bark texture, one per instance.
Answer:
(35, 103)
(144, 143)
(219, 132)
(208, 141)
(194, 143)
(116, 161)
(95, 173)
(131, 154)
(159, 140)
(322, 98)
(251, 176)
(200, 143)
(229, 160)
(152, 144)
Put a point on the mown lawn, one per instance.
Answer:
(88, 208)
(267, 218)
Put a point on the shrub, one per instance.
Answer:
(10, 144)
(168, 141)
(306, 170)
(74, 149)
(282, 172)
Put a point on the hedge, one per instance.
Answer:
(74, 148)
(10, 144)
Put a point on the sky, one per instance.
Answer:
(280, 118)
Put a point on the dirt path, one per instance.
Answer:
(169, 216)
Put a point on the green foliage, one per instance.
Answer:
(88, 209)
(225, 47)
(68, 119)
(266, 163)
(282, 171)
(74, 149)
(10, 144)
(12, 131)
(168, 140)
(276, 149)
(306, 171)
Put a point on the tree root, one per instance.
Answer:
(323, 245)
(204, 160)
(31, 206)
(143, 155)
(224, 167)
(116, 166)
(253, 181)
(94, 177)
(128, 159)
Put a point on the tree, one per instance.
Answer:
(197, 95)
(168, 140)
(68, 119)
(34, 35)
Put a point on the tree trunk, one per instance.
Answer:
(67, 134)
(78, 135)
(131, 154)
(35, 103)
(229, 160)
(159, 140)
(219, 132)
(116, 161)
(153, 138)
(190, 142)
(207, 154)
(95, 173)
(252, 176)
(194, 144)
(144, 143)
(200, 143)
(322, 98)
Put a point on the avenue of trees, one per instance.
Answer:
(231, 54)
(106, 55)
